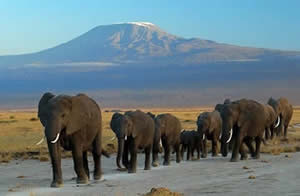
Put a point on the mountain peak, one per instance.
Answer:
(144, 24)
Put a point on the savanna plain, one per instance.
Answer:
(25, 167)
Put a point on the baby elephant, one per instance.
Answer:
(191, 141)
(209, 127)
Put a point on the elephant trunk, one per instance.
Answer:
(120, 152)
(52, 131)
(55, 155)
(224, 149)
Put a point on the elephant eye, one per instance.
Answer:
(63, 115)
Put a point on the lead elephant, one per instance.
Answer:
(167, 128)
(243, 120)
(75, 123)
(209, 127)
(134, 130)
(284, 111)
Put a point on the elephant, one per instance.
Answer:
(167, 129)
(209, 127)
(271, 121)
(190, 140)
(284, 111)
(134, 130)
(243, 121)
(229, 146)
(75, 123)
(219, 106)
(151, 115)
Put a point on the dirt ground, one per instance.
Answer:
(25, 168)
(271, 175)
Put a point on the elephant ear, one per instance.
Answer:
(115, 121)
(78, 115)
(42, 109)
(242, 118)
(212, 123)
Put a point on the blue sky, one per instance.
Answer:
(32, 25)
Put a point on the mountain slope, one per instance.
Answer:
(140, 43)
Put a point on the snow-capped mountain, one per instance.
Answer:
(140, 43)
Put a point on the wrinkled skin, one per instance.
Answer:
(271, 121)
(134, 130)
(190, 141)
(78, 121)
(247, 119)
(167, 128)
(284, 110)
(209, 127)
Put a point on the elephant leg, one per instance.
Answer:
(82, 178)
(167, 151)
(133, 156)
(147, 157)
(155, 155)
(55, 155)
(192, 151)
(182, 150)
(214, 148)
(248, 142)
(258, 143)
(177, 149)
(86, 164)
(204, 149)
(236, 146)
(243, 153)
(97, 157)
(188, 154)
(198, 151)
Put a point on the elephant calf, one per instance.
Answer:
(191, 141)
(209, 127)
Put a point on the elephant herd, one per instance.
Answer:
(75, 123)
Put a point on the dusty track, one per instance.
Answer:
(275, 175)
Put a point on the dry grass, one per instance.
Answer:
(21, 130)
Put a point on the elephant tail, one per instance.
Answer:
(105, 153)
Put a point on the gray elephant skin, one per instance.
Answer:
(167, 129)
(284, 111)
(134, 130)
(272, 121)
(209, 127)
(75, 123)
(190, 140)
(244, 120)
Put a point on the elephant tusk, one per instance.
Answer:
(220, 136)
(41, 141)
(203, 137)
(125, 137)
(113, 138)
(278, 122)
(160, 142)
(56, 139)
(229, 136)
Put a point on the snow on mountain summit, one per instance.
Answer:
(144, 24)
